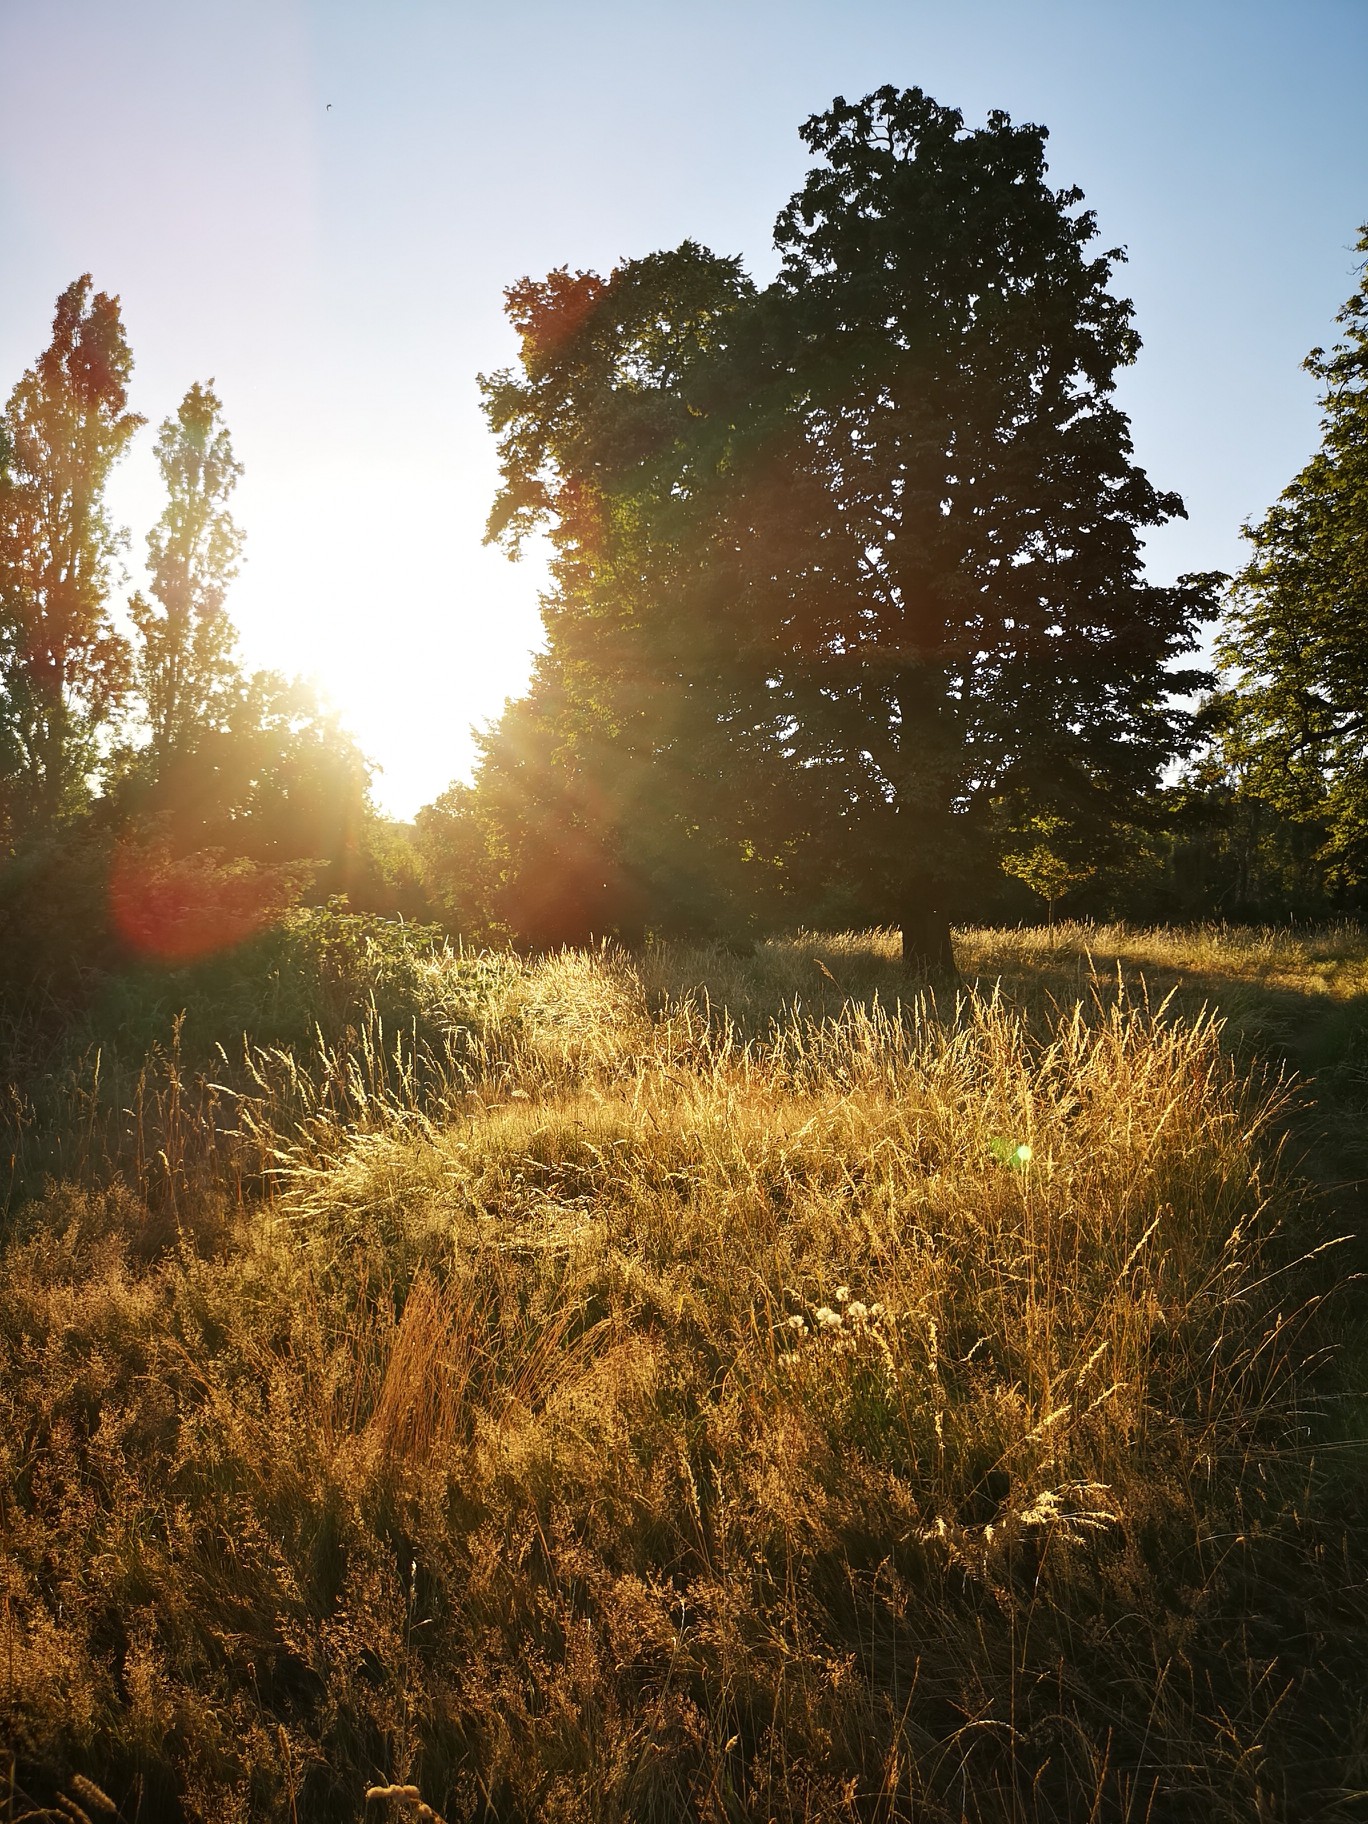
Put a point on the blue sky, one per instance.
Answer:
(339, 269)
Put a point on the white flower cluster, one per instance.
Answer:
(843, 1326)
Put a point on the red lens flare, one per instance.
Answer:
(176, 909)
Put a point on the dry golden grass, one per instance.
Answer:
(702, 1387)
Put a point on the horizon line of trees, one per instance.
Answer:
(848, 620)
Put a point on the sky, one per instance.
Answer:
(318, 206)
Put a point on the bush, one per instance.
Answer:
(320, 970)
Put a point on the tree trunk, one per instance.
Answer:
(926, 947)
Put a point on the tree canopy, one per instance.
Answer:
(1296, 641)
(846, 563)
(63, 665)
(623, 790)
(152, 793)
(185, 666)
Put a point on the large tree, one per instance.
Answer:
(624, 789)
(1295, 644)
(185, 665)
(63, 664)
(881, 519)
(944, 554)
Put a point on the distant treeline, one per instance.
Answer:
(848, 620)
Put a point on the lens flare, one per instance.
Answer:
(177, 908)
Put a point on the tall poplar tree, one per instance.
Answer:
(185, 665)
(64, 667)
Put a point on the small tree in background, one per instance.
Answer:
(64, 668)
(1048, 865)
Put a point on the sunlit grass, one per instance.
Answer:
(693, 1386)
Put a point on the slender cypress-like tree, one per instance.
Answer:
(185, 666)
(64, 667)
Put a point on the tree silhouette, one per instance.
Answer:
(63, 666)
(952, 583)
(185, 666)
(873, 531)
(621, 792)
(1296, 641)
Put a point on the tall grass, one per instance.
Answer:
(681, 1387)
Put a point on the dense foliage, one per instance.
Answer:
(847, 571)
(1296, 715)
(157, 802)
(63, 665)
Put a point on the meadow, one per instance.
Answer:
(691, 1385)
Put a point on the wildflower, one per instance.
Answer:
(827, 1318)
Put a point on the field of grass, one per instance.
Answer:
(700, 1386)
